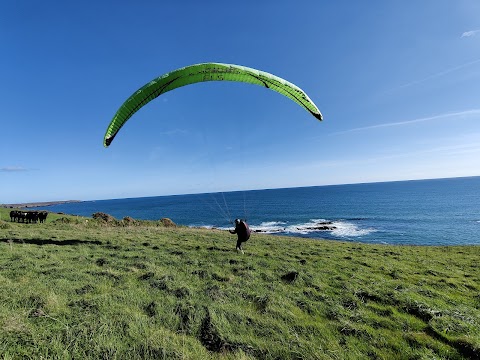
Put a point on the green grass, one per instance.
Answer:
(77, 288)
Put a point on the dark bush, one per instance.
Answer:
(167, 222)
(104, 217)
(129, 221)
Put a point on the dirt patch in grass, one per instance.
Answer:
(85, 289)
(210, 337)
(151, 309)
(290, 277)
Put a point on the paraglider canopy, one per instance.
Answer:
(205, 72)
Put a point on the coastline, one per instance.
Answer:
(38, 204)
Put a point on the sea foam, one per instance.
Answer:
(338, 228)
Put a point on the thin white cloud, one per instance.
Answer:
(173, 132)
(458, 114)
(450, 151)
(470, 33)
(436, 75)
(12, 169)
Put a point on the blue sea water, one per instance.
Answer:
(421, 212)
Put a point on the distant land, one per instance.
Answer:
(39, 204)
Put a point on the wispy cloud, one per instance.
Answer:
(173, 132)
(470, 33)
(452, 150)
(439, 74)
(12, 169)
(458, 114)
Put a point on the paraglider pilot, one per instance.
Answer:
(243, 233)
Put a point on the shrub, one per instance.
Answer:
(104, 217)
(167, 222)
(129, 221)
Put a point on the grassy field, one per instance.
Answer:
(79, 288)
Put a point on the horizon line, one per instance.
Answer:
(61, 202)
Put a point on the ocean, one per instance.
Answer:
(420, 212)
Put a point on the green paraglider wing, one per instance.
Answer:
(199, 73)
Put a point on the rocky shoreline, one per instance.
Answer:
(319, 226)
(38, 204)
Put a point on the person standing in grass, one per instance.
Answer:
(243, 233)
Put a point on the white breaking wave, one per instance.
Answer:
(309, 227)
(269, 227)
(339, 228)
(206, 227)
(346, 229)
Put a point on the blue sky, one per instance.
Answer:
(398, 84)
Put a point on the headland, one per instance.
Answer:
(38, 204)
